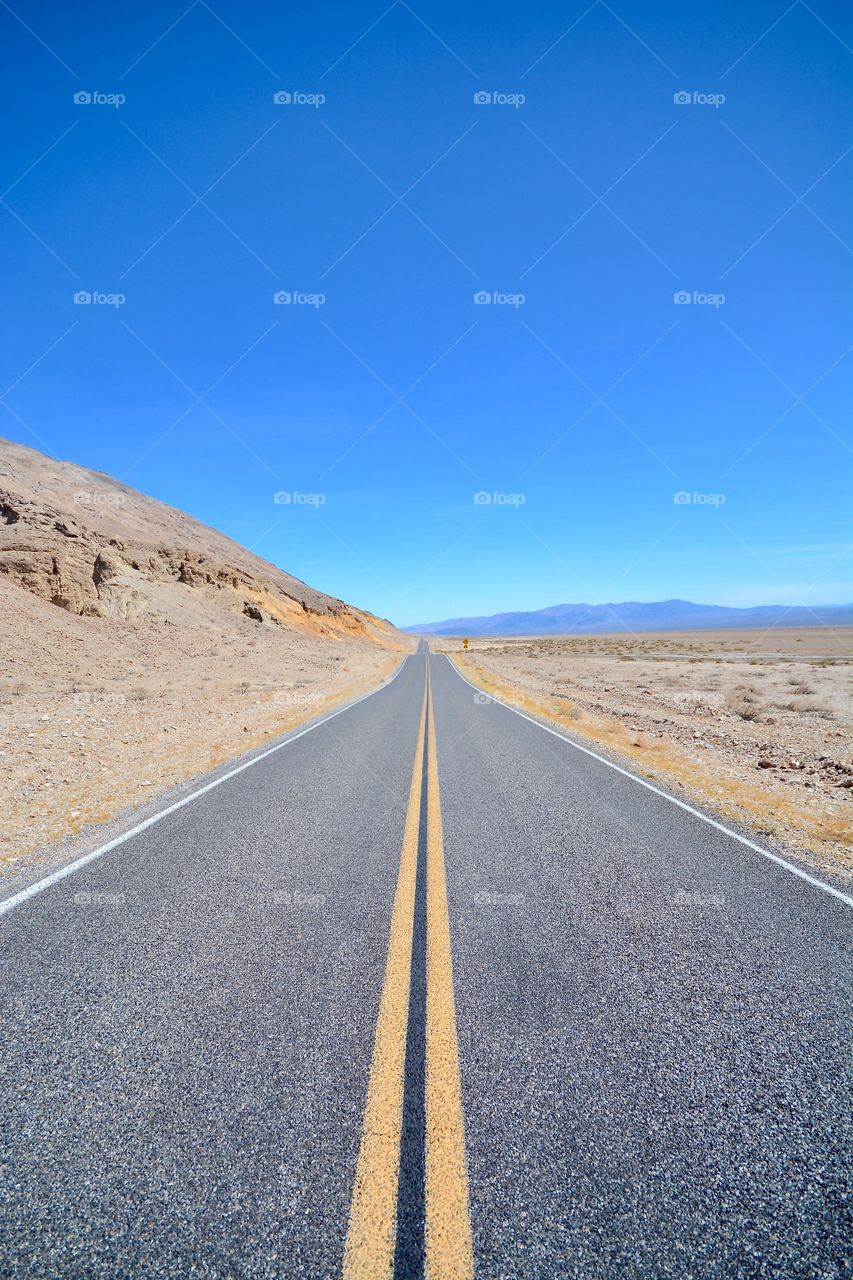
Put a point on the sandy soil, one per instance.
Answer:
(115, 723)
(757, 724)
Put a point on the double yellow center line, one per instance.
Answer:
(371, 1238)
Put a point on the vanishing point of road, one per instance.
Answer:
(425, 990)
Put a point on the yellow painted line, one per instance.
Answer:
(449, 1253)
(372, 1232)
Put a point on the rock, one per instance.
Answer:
(96, 549)
(765, 764)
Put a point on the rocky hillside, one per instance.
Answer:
(97, 548)
(140, 648)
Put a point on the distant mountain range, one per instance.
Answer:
(661, 615)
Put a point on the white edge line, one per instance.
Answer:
(8, 903)
(697, 813)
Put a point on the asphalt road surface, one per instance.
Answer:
(426, 991)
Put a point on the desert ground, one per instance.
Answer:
(113, 725)
(756, 724)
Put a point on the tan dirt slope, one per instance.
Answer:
(139, 647)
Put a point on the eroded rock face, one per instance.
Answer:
(97, 548)
(79, 569)
(56, 558)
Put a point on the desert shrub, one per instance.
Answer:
(806, 705)
(743, 702)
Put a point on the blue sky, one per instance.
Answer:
(580, 198)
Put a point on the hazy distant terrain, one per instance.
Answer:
(662, 615)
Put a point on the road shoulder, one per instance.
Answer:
(31, 868)
(715, 807)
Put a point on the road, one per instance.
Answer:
(426, 991)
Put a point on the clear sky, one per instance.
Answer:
(580, 198)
